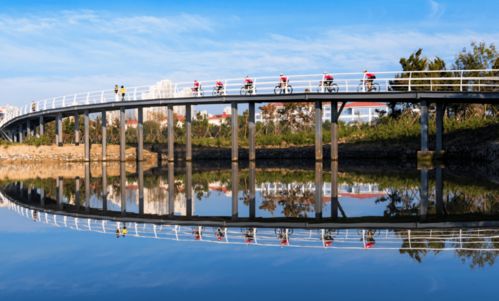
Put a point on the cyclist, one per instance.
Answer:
(283, 81)
(196, 87)
(219, 87)
(327, 79)
(368, 80)
(248, 83)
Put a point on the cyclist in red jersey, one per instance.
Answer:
(283, 80)
(328, 79)
(248, 82)
(219, 85)
(196, 86)
(368, 80)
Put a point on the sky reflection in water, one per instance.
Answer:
(57, 263)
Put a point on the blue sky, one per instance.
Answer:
(50, 48)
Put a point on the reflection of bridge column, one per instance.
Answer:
(122, 135)
(251, 132)
(252, 189)
(171, 134)
(318, 189)
(439, 198)
(104, 186)
(188, 133)
(140, 134)
(104, 136)
(86, 134)
(58, 128)
(42, 197)
(77, 128)
(318, 131)
(87, 186)
(334, 130)
(171, 189)
(423, 194)
(334, 189)
(188, 188)
(234, 128)
(140, 175)
(235, 189)
(123, 187)
(60, 191)
(77, 193)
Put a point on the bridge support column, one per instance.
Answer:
(318, 131)
(77, 128)
(252, 189)
(188, 133)
(235, 189)
(234, 128)
(28, 128)
(251, 132)
(171, 134)
(334, 131)
(21, 134)
(424, 153)
(171, 188)
(86, 134)
(41, 126)
(318, 189)
(439, 130)
(140, 134)
(104, 136)
(58, 126)
(122, 135)
(188, 188)
(60, 191)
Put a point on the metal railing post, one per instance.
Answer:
(461, 82)
(409, 83)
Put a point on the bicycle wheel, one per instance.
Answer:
(290, 89)
(334, 88)
(375, 88)
(215, 92)
(360, 88)
(243, 91)
(277, 90)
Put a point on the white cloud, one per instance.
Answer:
(72, 51)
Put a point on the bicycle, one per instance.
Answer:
(364, 88)
(325, 87)
(287, 89)
(218, 91)
(247, 90)
(197, 92)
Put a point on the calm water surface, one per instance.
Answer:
(246, 232)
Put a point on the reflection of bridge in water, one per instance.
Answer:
(403, 240)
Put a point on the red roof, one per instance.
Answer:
(220, 116)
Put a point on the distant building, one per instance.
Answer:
(363, 112)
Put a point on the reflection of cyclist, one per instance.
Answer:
(328, 238)
(197, 233)
(118, 232)
(249, 235)
(220, 234)
(282, 235)
(369, 241)
(368, 80)
(124, 231)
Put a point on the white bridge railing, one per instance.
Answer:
(385, 81)
(422, 239)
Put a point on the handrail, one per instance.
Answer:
(347, 82)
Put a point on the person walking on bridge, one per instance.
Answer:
(123, 92)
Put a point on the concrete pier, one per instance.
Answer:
(122, 135)
(188, 133)
(104, 136)
(41, 129)
(235, 189)
(171, 134)
(86, 134)
(58, 125)
(188, 187)
(234, 135)
(77, 128)
(439, 130)
(318, 189)
(171, 188)
(140, 134)
(252, 189)
(334, 130)
(318, 131)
